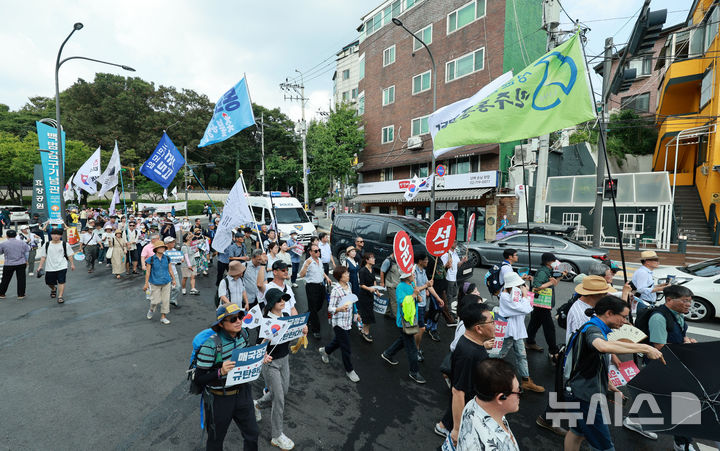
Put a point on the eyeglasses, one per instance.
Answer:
(233, 319)
(281, 269)
(315, 250)
(519, 392)
(684, 301)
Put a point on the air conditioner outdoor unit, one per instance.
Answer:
(414, 142)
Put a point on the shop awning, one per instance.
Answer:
(440, 195)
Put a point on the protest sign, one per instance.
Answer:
(440, 236)
(500, 329)
(380, 305)
(292, 328)
(248, 363)
(403, 251)
(544, 298)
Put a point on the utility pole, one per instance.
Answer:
(262, 147)
(187, 207)
(600, 173)
(551, 20)
(299, 89)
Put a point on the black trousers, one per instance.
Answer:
(316, 297)
(295, 268)
(221, 268)
(226, 409)
(342, 341)
(7, 274)
(542, 317)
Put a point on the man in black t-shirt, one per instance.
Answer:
(470, 349)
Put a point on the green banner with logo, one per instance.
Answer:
(550, 94)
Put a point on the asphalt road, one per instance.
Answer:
(96, 374)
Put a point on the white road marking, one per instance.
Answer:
(695, 330)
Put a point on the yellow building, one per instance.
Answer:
(688, 104)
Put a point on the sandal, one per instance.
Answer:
(61, 300)
(118, 277)
(53, 293)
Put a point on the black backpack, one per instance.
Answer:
(564, 310)
(643, 320)
(47, 245)
(492, 279)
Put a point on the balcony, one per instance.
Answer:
(680, 87)
(664, 158)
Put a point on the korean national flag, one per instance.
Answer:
(272, 328)
(164, 163)
(252, 319)
(233, 112)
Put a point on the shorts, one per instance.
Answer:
(55, 277)
(133, 255)
(187, 272)
(421, 316)
(597, 434)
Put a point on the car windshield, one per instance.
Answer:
(291, 215)
(708, 268)
(417, 227)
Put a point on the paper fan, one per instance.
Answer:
(627, 333)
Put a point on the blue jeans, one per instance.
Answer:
(408, 342)
(518, 349)
(597, 434)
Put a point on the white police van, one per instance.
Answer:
(287, 212)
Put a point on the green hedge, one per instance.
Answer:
(195, 206)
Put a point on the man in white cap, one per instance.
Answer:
(643, 278)
(33, 241)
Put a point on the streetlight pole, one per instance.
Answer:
(399, 23)
(58, 128)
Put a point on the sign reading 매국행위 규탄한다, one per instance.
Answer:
(293, 330)
(248, 363)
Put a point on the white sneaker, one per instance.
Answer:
(30, 274)
(184, 291)
(323, 355)
(150, 314)
(282, 442)
(258, 414)
(352, 375)
(689, 447)
(637, 427)
(194, 291)
(164, 321)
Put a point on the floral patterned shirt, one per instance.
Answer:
(480, 432)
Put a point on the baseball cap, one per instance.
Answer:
(228, 310)
(279, 264)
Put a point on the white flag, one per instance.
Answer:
(68, 193)
(109, 178)
(439, 118)
(88, 174)
(235, 213)
(174, 192)
(412, 189)
(165, 194)
(272, 328)
(115, 200)
(253, 317)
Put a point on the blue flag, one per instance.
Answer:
(233, 112)
(164, 163)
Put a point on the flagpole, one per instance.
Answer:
(257, 229)
(122, 189)
(206, 193)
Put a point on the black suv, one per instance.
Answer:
(378, 231)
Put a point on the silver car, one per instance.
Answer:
(578, 255)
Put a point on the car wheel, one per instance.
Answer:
(700, 310)
(473, 258)
(341, 258)
(575, 270)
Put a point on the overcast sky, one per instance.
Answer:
(207, 46)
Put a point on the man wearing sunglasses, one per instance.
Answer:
(359, 251)
(279, 281)
(483, 419)
(225, 404)
(314, 275)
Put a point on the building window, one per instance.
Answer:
(421, 170)
(389, 56)
(354, 93)
(465, 65)
(465, 15)
(391, 11)
(642, 66)
(711, 27)
(388, 95)
(460, 166)
(361, 104)
(361, 67)
(410, 3)
(388, 174)
(706, 87)
(426, 35)
(419, 126)
(345, 96)
(388, 134)
(346, 74)
(421, 82)
(639, 103)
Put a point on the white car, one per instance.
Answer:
(703, 279)
(17, 213)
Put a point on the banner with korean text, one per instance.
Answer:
(50, 160)
(233, 112)
(164, 162)
(248, 363)
(295, 325)
(550, 94)
(39, 204)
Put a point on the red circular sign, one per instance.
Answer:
(448, 215)
(440, 236)
(403, 251)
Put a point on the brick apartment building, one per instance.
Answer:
(472, 43)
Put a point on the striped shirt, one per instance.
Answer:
(206, 358)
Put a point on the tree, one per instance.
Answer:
(332, 147)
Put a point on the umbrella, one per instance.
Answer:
(686, 391)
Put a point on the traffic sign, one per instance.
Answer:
(403, 251)
(441, 170)
(440, 237)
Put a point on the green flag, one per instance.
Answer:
(550, 94)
